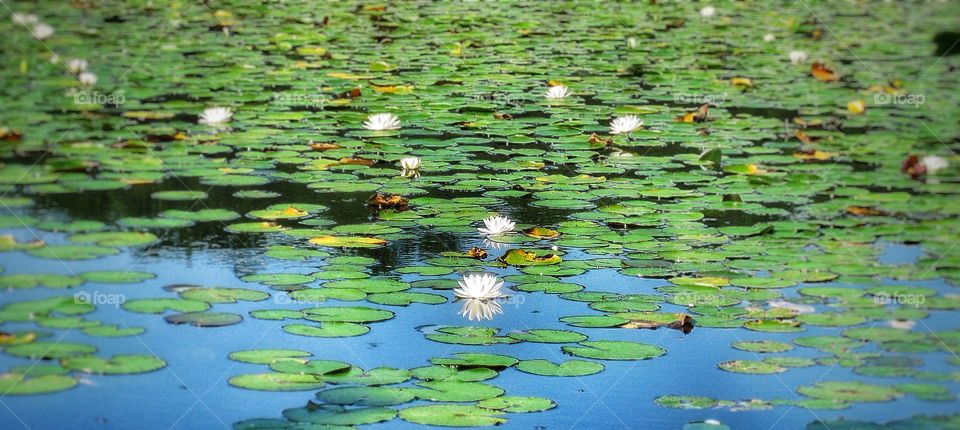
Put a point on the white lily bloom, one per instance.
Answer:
(632, 43)
(41, 31)
(934, 163)
(797, 57)
(625, 124)
(491, 244)
(410, 163)
(769, 37)
(902, 324)
(497, 225)
(77, 65)
(557, 92)
(216, 115)
(382, 121)
(708, 11)
(476, 310)
(87, 79)
(480, 286)
(24, 18)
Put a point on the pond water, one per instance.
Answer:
(721, 216)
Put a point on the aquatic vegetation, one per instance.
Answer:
(496, 225)
(477, 309)
(479, 286)
(625, 124)
(215, 116)
(557, 92)
(382, 121)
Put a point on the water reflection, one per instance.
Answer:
(477, 309)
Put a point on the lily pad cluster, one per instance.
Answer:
(52, 365)
(450, 392)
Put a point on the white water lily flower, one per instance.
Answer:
(480, 286)
(497, 225)
(708, 11)
(902, 324)
(87, 78)
(410, 163)
(41, 31)
(769, 37)
(797, 57)
(215, 115)
(632, 43)
(77, 65)
(476, 310)
(382, 121)
(934, 163)
(24, 18)
(557, 92)
(491, 244)
(796, 307)
(625, 124)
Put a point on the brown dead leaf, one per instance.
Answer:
(597, 141)
(356, 161)
(864, 211)
(823, 73)
(323, 146)
(10, 135)
(499, 115)
(913, 167)
(677, 23)
(380, 202)
(349, 94)
(541, 233)
(805, 138)
(478, 253)
(699, 115)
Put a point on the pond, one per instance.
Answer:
(551, 215)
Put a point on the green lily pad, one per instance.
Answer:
(16, 384)
(567, 368)
(452, 416)
(267, 356)
(116, 365)
(518, 404)
(751, 367)
(614, 350)
(277, 382)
